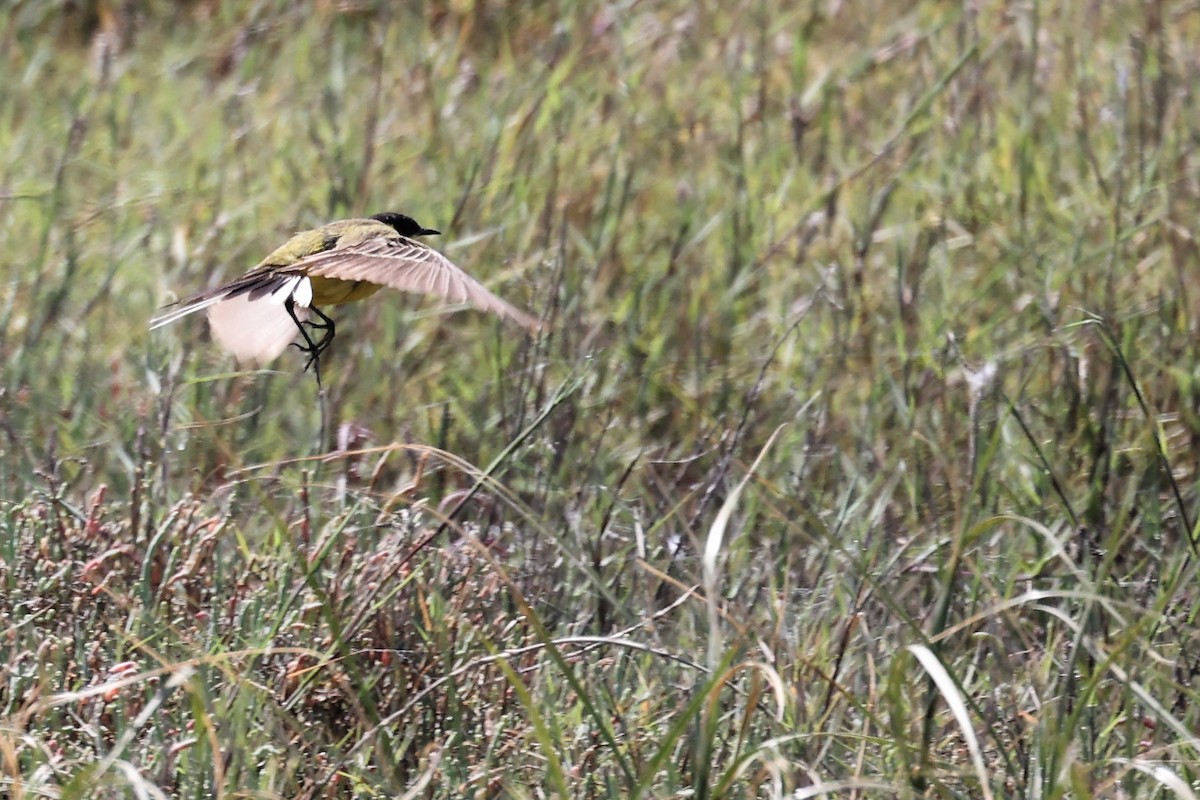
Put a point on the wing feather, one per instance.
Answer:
(401, 263)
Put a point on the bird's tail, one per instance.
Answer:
(181, 309)
(249, 318)
(254, 330)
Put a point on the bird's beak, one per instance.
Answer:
(428, 232)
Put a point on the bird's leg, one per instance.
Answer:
(310, 348)
(326, 325)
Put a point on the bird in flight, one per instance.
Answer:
(258, 315)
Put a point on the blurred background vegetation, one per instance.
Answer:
(858, 456)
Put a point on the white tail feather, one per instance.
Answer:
(181, 312)
(253, 330)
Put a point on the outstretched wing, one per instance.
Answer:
(401, 263)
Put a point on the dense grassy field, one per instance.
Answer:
(858, 456)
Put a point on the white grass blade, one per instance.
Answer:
(844, 787)
(958, 707)
(142, 788)
(1168, 778)
(417, 787)
(177, 678)
(716, 534)
(712, 550)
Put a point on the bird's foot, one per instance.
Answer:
(313, 351)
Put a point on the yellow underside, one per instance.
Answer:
(334, 292)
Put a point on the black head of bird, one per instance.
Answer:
(403, 224)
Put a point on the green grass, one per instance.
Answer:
(858, 458)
